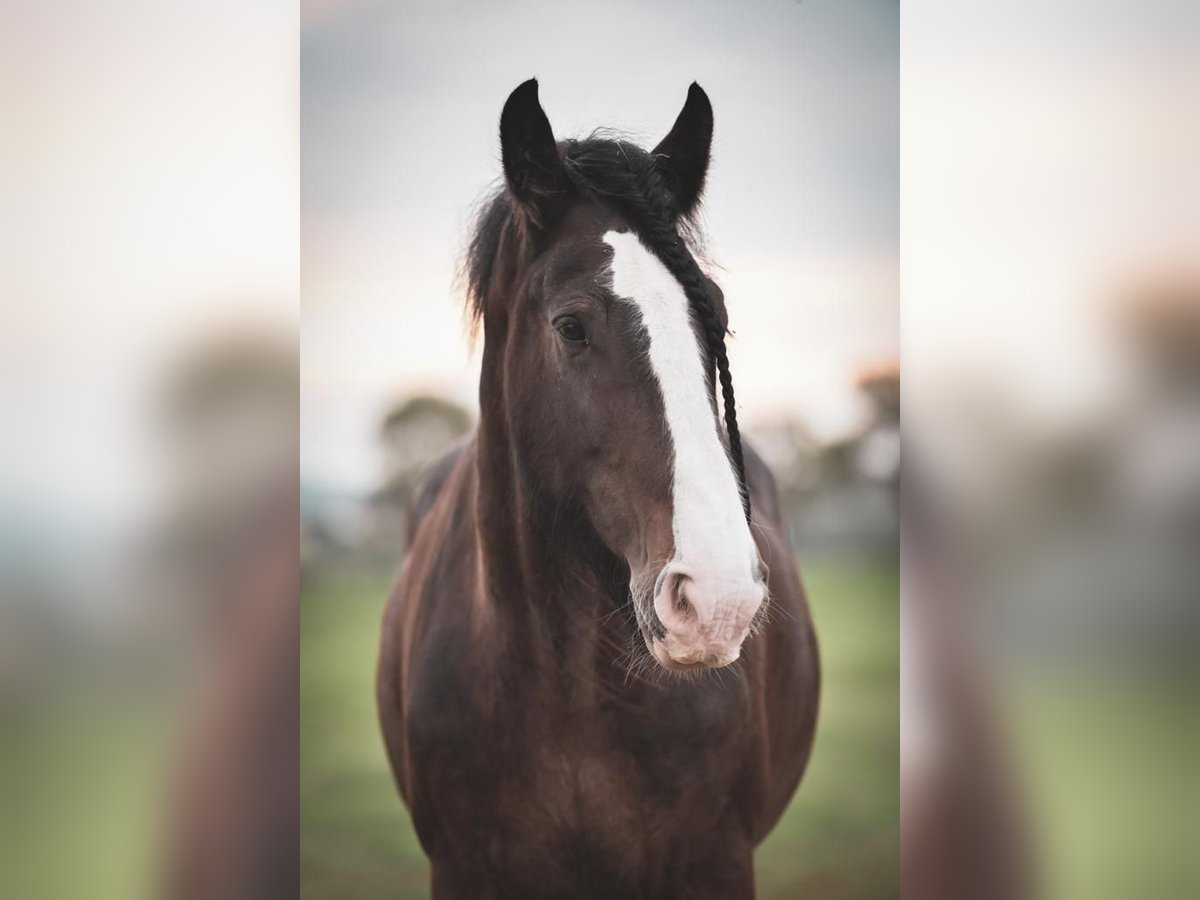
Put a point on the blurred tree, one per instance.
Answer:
(412, 435)
(230, 422)
(1160, 320)
(877, 448)
(881, 383)
(416, 432)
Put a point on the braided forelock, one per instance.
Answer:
(627, 176)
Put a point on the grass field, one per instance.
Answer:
(838, 840)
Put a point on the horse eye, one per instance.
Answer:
(571, 330)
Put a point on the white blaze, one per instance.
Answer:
(712, 538)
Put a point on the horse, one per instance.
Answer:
(598, 676)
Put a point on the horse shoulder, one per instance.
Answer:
(434, 532)
(791, 663)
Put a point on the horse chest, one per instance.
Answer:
(544, 764)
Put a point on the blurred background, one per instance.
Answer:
(400, 111)
(149, 222)
(1051, 330)
(150, 240)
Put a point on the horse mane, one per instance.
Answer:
(615, 171)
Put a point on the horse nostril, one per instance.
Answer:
(682, 606)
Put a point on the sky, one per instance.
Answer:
(400, 107)
(1049, 161)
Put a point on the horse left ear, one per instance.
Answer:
(683, 154)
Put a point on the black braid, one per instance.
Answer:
(655, 220)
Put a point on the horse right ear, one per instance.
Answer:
(532, 168)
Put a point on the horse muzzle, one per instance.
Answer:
(705, 618)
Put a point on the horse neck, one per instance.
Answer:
(546, 572)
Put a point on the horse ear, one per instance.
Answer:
(683, 154)
(531, 164)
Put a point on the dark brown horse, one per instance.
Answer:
(582, 562)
